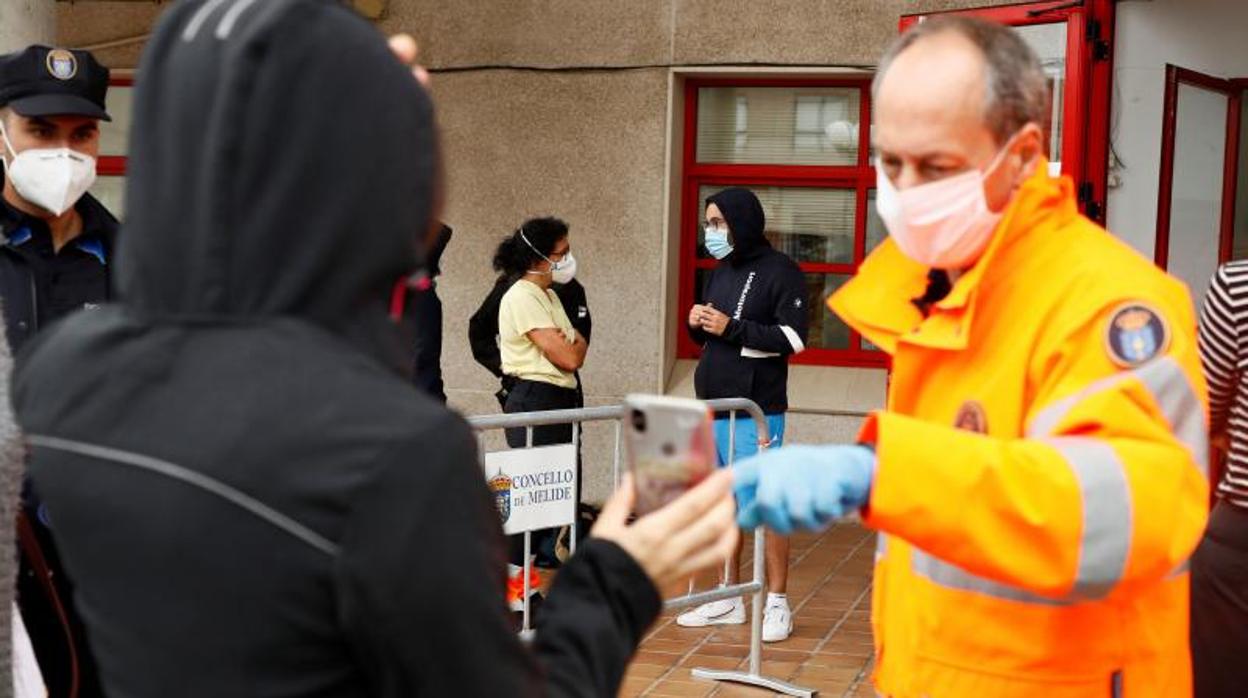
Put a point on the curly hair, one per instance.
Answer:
(515, 256)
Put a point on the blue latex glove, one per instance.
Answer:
(805, 487)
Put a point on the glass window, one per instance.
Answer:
(111, 191)
(1196, 192)
(876, 232)
(1049, 43)
(827, 331)
(1239, 243)
(782, 125)
(765, 137)
(115, 134)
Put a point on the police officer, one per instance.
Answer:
(54, 260)
(1039, 476)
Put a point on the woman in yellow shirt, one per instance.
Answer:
(537, 343)
(538, 347)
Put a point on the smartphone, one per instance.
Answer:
(670, 446)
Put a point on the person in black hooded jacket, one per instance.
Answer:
(423, 312)
(250, 496)
(752, 318)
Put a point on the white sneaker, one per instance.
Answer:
(722, 612)
(777, 621)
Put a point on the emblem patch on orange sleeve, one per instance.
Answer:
(1135, 335)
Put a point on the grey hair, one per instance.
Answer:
(1015, 91)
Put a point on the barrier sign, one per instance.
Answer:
(533, 488)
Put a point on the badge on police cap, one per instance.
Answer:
(62, 64)
(1135, 335)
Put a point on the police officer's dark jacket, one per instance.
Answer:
(764, 294)
(37, 285)
(249, 496)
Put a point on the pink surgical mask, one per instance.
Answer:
(944, 224)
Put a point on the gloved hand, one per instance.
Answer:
(803, 487)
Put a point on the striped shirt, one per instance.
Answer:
(1224, 355)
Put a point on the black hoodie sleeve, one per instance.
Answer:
(697, 334)
(786, 332)
(572, 297)
(483, 331)
(422, 589)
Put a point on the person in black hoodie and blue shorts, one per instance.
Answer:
(752, 319)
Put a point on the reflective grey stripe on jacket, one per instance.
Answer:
(192, 478)
(1104, 491)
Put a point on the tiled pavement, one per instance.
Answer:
(830, 649)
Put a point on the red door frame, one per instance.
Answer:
(1089, 76)
(114, 165)
(1233, 89)
(858, 177)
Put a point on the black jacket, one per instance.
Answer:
(764, 294)
(37, 289)
(39, 286)
(423, 313)
(483, 326)
(250, 497)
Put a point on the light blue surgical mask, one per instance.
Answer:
(717, 242)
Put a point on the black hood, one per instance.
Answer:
(746, 221)
(282, 163)
(433, 257)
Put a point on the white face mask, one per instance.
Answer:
(53, 179)
(944, 224)
(563, 271)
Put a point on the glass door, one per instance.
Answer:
(1198, 186)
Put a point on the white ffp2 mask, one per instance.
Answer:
(53, 179)
(564, 270)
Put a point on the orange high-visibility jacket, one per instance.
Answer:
(1041, 476)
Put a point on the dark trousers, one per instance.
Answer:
(534, 396)
(1220, 605)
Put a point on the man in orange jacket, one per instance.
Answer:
(1038, 477)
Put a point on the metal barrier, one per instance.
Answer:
(822, 412)
(756, 588)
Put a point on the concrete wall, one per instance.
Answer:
(25, 22)
(114, 31)
(1202, 35)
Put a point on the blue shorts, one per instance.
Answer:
(745, 444)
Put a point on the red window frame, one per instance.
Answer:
(1089, 75)
(1233, 89)
(114, 165)
(859, 177)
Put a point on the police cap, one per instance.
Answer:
(46, 81)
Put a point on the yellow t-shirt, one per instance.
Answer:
(526, 307)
